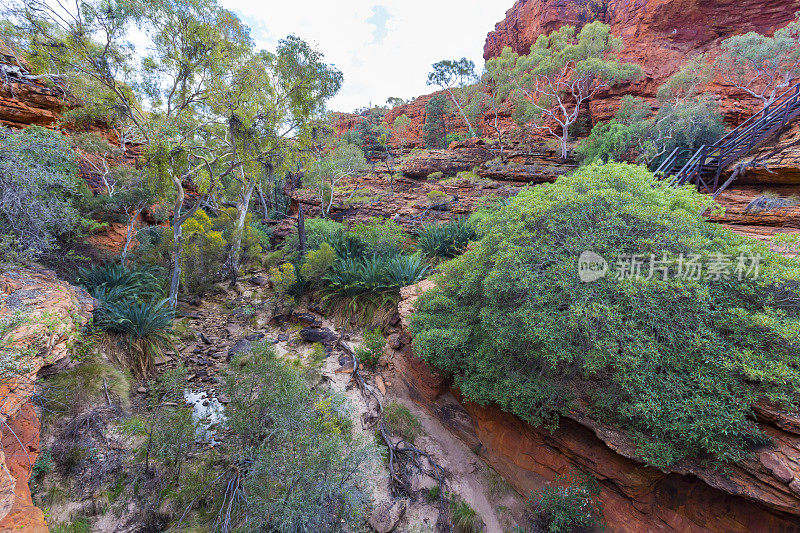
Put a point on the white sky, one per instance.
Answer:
(384, 47)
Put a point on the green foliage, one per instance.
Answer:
(79, 525)
(371, 349)
(170, 428)
(71, 391)
(402, 422)
(686, 119)
(434, 130)
(380, 236)
(43, 464)
(131, 307)
(570, 503)
(283, 278)
(40, 192)
(445, 240)
(113, 279)
(454, 137)
(677, 363)
(207, 243)
(343, 161)
(370, 130)
(435, 175)
(400, 128)
(317, 263)
(351, 278)
(405, 270)
(295, 464)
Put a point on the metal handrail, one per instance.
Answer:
(735, 143)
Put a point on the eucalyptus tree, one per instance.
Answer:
(760, 65)
(164, 96)
(270, 100)
(453, 77)
(562, 72)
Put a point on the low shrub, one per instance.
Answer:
(402, 422)
(380, 236)
(279, 430)
(371, 349)
(144, 327)
(568, 504)
(465, 518)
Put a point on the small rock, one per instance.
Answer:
(321, 335)
(204, 338)
(255, 337)
(234, 330)
(380, 384)
(259, 280)
(308, 319)
(242, 346)
(283, 337)
(394, 341)
(141, 390)
(387, 515)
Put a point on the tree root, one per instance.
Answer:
(405, 459)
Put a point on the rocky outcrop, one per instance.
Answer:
(461, 158)
(24, 99)
(760, 494)
(51, 313)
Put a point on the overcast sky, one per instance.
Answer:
(384, 48)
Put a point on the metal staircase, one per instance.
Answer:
(703, 168)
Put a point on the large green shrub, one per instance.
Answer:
(40, 191)
(677, 363)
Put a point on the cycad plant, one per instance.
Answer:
(131, 310)
(145, 328)
(445, 241)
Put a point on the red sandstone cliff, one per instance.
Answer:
(659, 35)
(54, 310)
(761, 494)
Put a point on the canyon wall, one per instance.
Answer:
(761, 494)
(659, 35)
(53, 311)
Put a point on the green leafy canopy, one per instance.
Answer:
(676, 363)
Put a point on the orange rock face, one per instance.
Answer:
(54, 310)
(759, 494)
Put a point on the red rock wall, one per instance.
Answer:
(760, 495)
(659, 35)
(54, 311)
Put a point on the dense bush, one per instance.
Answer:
(294, 464)
(40, 191)
(569, 504)
(445, 240)
(677, 363)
